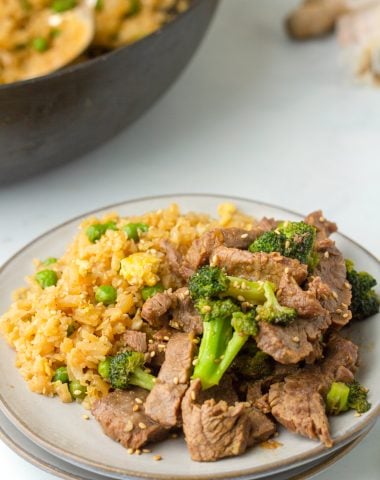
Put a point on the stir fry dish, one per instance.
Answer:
(40, 36)
(221, 328)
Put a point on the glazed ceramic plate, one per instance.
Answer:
(59, 428)
(42, 459)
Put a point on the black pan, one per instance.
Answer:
(53, 119)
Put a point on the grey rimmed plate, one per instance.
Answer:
(59, 429)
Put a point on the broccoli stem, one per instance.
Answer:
(233, 348)
(252, 292)
(216, 336)
(142, 379)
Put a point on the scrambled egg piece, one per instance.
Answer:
(140, 269)
(226, 212)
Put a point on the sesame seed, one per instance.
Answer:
(176, 380)
(150, 341)
(286, 270)
(146, 450)
(287, 244)
(345, 315)
(192, 395)
(357, 414)
(335, 295)
(321, 219)
(240, 298)
(77, 392)
(195, 340)
(235, 284)
(326, 254)
(130, 451)
(166, 338)
(245, 235)
(157, 458)
(206, 309)
(152, 353)
(138, 451)
(138, 400)
(194, 362)
(296, 339)
(175, 435)
(85, 417)
(347, 285)
(161, 345)
(128, 426)
(344, 305)
(135, 408)
(338, 310)
(142, 426)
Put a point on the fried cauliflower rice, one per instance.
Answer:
(63, 325)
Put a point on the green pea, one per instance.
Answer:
(104, 367)
(40, 44)
(77, 390)
(49, 261)
(132, 230)
(71, 329)
(59, 6)
(148, 292)
(95, 231)
(99, 5)
(134, 7)
(106, 294)
(46, 278)
(61, 375)
(110, 226)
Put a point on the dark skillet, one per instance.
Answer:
(53, 119)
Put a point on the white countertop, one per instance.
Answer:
(254, 115)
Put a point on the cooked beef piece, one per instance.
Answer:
(163, 404)
(173, 308)
(155, 309)
(257, 266)
(135, 341)
(332, 271)
(224, 391)
(119, 421)
(201, 249)
(295, 342)
(305, 302)
(215, 430)
(324, 227)
(298, 401)
(171, 275)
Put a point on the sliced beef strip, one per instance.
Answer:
(201, 249)
(224, 391)
(332, 272)
(119, 421)
(290, 294)
(298, 401)
(257, 266)
(173, 308)
(163, 404)
(214, 430)
(136, 341)
(324, 227)
(295, 342)
(171, 275)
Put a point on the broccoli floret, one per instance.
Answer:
(271, 311)
(126, 369)
(291, 239)
(209, 282)
(364, 302)
(342, 397)
(225, 331)
(256, 366)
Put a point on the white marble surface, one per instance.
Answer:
(254, 115)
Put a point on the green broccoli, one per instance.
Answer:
(364, 302)
(254, 366)
(125, 369)
(272, 312)
(342, 397)
(291, 239)
(226, 328)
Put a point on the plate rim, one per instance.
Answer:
(299, 459)
(44, 465)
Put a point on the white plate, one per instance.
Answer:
(42, 459)
(60, 430)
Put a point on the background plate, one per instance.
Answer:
(59, 428)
